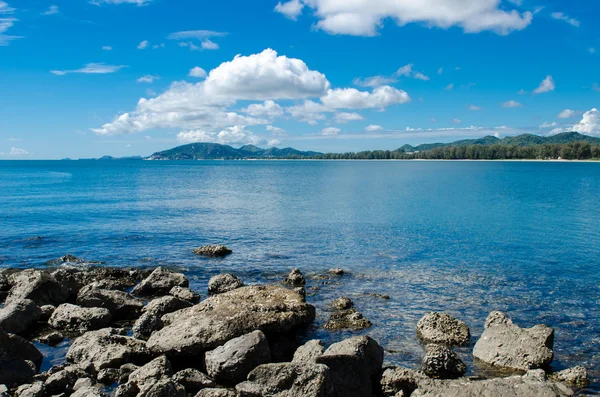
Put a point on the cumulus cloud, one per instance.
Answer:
(374, 81)
(198, 72)
(236, 135)
(291, 9)
(91, 68)
(343, 117)
(148, 79)
(330, 131)
(589, 124)
(308, 112)
(562, 17)
(351, 98)
(275, 130)
(373, 128)
(546, 85)
(567, 114)
(209, 45)
(16, 152)
(512, 104)
(52, 10)
(143, 45)
(267, 109)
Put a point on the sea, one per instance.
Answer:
(461, 237)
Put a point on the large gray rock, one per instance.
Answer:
(75, 278)
(19, 315)
(222, 283)
(216, 393)
(355, 364)
(89, 391)
(121, 305)
(151, 373)
(185, 294)
(231, 363)
(309, 352)
(151, 319)
(295, 278)
(19, 360)
(193, 380)
(106, 348)
(30, 390)
(442, 328)
(160, 282)
(163, 388)
(576, 376)
(38, 286)
(24, 349)
(442, 363)
(397, 381)
(220, 318)
(63, 381)
(506, 345)
(213, 250)
(79, 319)
(288, 380)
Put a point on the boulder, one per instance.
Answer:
(19, 315)
(121, 305)
(576, 376)
(160, 282)
(355, 364)
(101, 277)
(79, 319)
(288, 380)
(82, 383)
(442, 363)
(47, 311)
(216, 393)
(506, 345)
(347, 319)
(89, 391)
(51, 339)
(19, 360)
(108, 376)
(126, 390)
(295, 279)
(213, 250)
(106, 348)
(24, 349)
(309, 352)
(193, 380)
(223, 283)
(151, 319)
(31, 390)
(231, 363)
(220, 318)
(151, 373)
(336, 271)
(63, 381)
(185, 294)
(397, 381)
(163, 388)
(38, 286)
(342, 303)
(442, 328)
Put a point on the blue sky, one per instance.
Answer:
(130, 77)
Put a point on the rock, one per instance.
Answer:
(108, 376)
(355, 364)
(347, 319)
(126, 390)
(223, 283)
(23, 349)
(163, 388)
(506, 345)
(336, 272)
(151, 373)
(442, 363)
(151, 320)
(400, 381)
(19, 360)
(51, 339)
(308, 352)
(515, 386)
(109, 278)
(193, 380)
(106, 348)
(4, 391)
(121, 305)
(63, 381)
(216, 393)
(125, 371)
(220, 318)
(295, 279)
(231, 363)
(37, 286)
(89, 391)
(342, 303)
(442, 328)
(185, 294)
(82, 383)
(160, 281)
(79, 319)
(576, 376)
(47, 311)
(213, 250)
(19, 315)
(288, 380)
(32, 390)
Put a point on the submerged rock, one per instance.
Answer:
(442, 328)
(19, 315)
(121, 305)
(576, 376)
(79, 319)
(223, 283)
(442, 363)
(213, 250)
(185, 294)
(347, 319)
(336, 271)
(160, 281)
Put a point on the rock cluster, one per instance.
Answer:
(213, 250)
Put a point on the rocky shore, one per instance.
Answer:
(145, 333)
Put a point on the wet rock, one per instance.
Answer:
(442, 363)
(231, 363)
(121, 305)
(442, 328)
(576, 376)
(295, 279)
(506, 345)
(309, 352)
(19, 315)
(400, 381)
(336, 272)
(16, 360)
(38, 286)
(51, 339)
(32, 390)
(216, 393)
(213, 250)
(70, 259)
(185, 294)
(151, 373)
(342, 303)
(106, 348)
(193, 380)
(109, 376)
(79, 319)
(355, 364)
(163, 388)
(220, 318)
(151, 319)
(223, 283)
(160, 281)
(347, 319)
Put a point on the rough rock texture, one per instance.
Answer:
(355, 364)
(19, 360)
(223, 283)
(150, 373)
(160, 281)
(308, 352)
(213, 250)
(193, 380)
(151, 319)
(38, 286)
(79, 319)
(111, 278)
(295, 278)
(531, 384)
(576, 376)
(216, 393)
(108, 376)
(51, 339)
(288, 380)
(19, 315)
(31, 390)
(163, 388)
(185, 294)
(442, 328)
(400, 381)
(231, 363)
(47, 311)
(63, 381)
(342, 303)
(504, 344)
(121, 305)
(442, 363)
(89, 391)
(106, 348)
(223, 317)
(347, 319)
(24, 349)
(336, 271)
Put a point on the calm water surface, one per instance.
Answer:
(462, 237)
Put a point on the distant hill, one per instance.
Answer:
(215, 151)
(111, 158)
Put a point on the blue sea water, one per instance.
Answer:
(462, 237)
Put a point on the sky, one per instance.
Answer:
(86, 78)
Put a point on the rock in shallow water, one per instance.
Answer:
(160, 281)
(151, 320)
(295, 279)
(347, 319)
(121, 305)
(222, 283)
(213, 250)
(576, 376)
(442, 363)
(79, 319)
(19, 360)
(19, 315)
(442, 328)
(185, 294)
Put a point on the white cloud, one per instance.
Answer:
(562, 17)
(236, 135)
(512, 104)
(17, 152)
(365, 17)
(373, 128)
(148, 79)
(267, 109)
(449, 87)
(209, 45)
(106, 48)
(546, 85)
(198, 72)
(136, 2)
(275, 130)
(6, 23)
(456, 121)
(157, 46)
(190, 45)
(567, 114)
(5, 8)
(374, 81)
(421, 76)
(91, 68)
(351, 98)
(522, 92)
(440, 71)
(548, 125)
(308, 112)
(474, 107)
(143, 45)
(195, 34)
(589, 124)
(291, 9)
(407, 71)
(343, 118)
(52, 10)
(330, 131)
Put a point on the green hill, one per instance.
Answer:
(215, 151)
